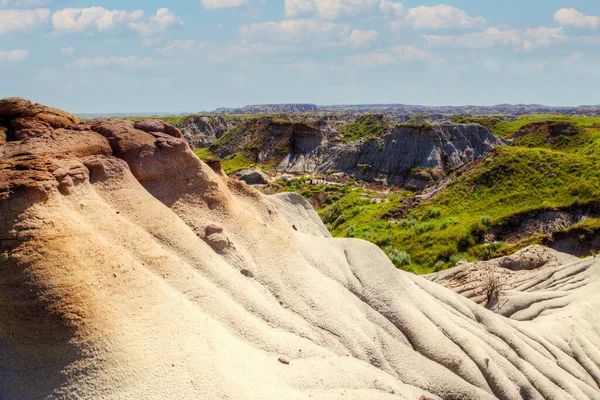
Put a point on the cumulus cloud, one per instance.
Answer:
(379, 58)
(98, 20)
(495, 37)
(210, 5)
(68, 50)
(15, 21)
(298, 30)
(92, 19)
(328, 9)
(14, 56)
(158, 24)
(572, 17)
(101, 62)
(436, 18)
(359, 37)
(391, 7)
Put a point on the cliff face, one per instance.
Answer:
(268, 139)
(392, 157)
(203, 131)
(131, 269)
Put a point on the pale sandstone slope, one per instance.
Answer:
(133, 270)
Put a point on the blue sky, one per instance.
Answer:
(187, 56)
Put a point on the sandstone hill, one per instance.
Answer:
(131, 269)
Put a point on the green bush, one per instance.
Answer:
(399, 258)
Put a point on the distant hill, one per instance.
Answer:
(268, 108)
(501, 109)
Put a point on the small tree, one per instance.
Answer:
(493, 285)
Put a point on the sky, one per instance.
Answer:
(93, 56)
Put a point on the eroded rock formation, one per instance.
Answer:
(130, 269)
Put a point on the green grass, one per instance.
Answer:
(537, 172)
(510, 181)
(230, 165)
(205, 154)
(504, 126)
(168, 119)
(365, 128)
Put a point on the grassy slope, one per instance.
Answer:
(512, 180)
(246, 156)
(369, 126)
(505, 128)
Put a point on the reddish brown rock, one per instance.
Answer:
(102, 168)
(218, 241)
(150, 125)
(30, 127)
(52, 116)
(3, 131)
(149, 156)
(212, 229)
(156, 125)
(71, 173)
(13, 107)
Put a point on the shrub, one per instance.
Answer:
(432, 213)
(478, 230)
(399, 258)
(425, 227)
(485, 221)
(407, 223)
(455, 258)
(439, 266)
(350, 231)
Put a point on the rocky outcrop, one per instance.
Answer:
(21, 119)
(268, 139)
(395, 157)
(522, 286)
(130, 269)
(252, 176)
(202, 131)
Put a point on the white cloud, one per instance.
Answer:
(299, 30)
(158, 24)
(358, 37)
(68, 50)
(328, 9)
(14, 55)
(98, 19)
(394, 55)
(495, 37)
(491, 37)
(13, 21)
(542, 36)
(436, 18)
(210, 5)
(572, 17)
(92, 19)
(100, 62)
(391, 7)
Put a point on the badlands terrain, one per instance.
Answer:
(132, 269)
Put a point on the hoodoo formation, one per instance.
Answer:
(131, 269)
